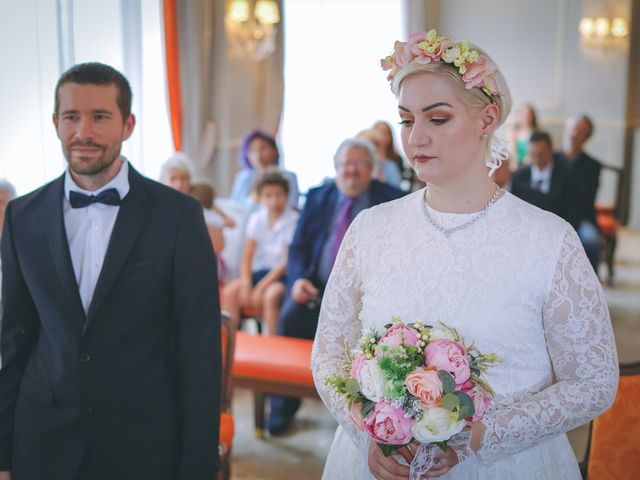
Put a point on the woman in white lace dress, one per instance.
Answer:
(507, 275)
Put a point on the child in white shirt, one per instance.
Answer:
(269, 232)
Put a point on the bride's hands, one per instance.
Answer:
(388, 468)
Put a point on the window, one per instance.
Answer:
(334, 86)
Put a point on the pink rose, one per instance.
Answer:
(401, 54)
(481, 402)
(356, 366)
(399, 334)
(387, 424)
(447, 355)
(425, 385)
(478, 71)
(466, 386)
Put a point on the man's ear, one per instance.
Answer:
(129, 124)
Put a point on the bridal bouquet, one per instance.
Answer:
(414, 381)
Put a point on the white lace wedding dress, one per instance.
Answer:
(518, 283)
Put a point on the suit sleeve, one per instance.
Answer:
(196, 313)
(19, 329)
(298, 262)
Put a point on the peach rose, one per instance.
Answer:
(425, 385)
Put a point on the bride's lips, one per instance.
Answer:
(423, 158)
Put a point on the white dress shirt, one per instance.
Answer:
(272, 241)
(89, 231)
(541, 179)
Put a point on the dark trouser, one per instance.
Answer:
(591, 241)
(300, 321)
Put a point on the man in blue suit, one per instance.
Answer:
(110, 340)
(327, 213)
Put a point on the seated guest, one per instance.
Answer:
(177, 172)
(259, 151)
(324, 220)
(215, 220)
(386, 169)
(583, 179)
(541, 182)
(268, 234)
(7, 193)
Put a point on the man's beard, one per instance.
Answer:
(94, 167)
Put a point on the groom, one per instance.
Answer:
(110, 340)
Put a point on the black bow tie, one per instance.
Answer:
(108, 197)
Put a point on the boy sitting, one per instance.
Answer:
(269, 232)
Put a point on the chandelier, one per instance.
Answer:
(252, 34)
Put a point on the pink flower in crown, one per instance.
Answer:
(356, 366)
(388, 424)
(426, 47)
(399, 334)
(478, 71)
(481, 402)
(450, 356)
(425, 385)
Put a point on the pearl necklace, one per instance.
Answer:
(448, 231)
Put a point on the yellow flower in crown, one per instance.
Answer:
(428, 47)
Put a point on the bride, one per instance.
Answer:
(510, 277)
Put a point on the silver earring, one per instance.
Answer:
(484, 135)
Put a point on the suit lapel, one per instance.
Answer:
(125, 232)
(56, 235)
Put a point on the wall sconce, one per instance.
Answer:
(604, 34)
(252, 35)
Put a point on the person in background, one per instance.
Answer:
(269, 232)
(526, 123)
(385, 170)
(7, 193)
(583, 179)
(542, 181)
(325, 218)
(259, 151)
(177, 172)
(387, 151)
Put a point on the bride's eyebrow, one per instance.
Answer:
(430, 107)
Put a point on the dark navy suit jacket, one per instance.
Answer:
(314, 226)
(135, 381)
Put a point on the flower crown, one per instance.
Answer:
(422, 47)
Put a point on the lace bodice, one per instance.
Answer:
(517, 282)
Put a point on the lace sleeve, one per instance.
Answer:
(339, 325)
(583, 353)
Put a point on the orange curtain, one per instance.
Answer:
(173, 70)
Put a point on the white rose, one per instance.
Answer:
(437, 425)
(450, 54)
(371, 380)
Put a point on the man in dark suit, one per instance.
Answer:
(541, 183)
(110, 339)
(326, 215)
(583, 180)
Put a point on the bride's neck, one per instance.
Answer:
(463, 197)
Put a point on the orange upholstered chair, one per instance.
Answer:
(272, 365)
(227, 426)
(613, 451)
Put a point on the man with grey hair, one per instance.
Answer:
(327, 213)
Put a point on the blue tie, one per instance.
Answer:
(108, 197)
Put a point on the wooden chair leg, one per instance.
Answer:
(611, 250)
(258, 413)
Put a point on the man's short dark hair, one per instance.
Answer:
(271, 176)
(541, 136)
(94, 73)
